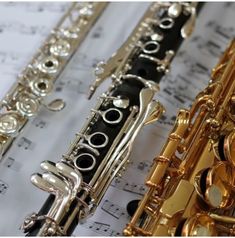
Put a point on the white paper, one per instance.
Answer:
(49, 134)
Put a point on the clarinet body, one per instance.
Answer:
(191, 183)
(100, 151)
(26, 96)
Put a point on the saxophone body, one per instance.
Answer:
(101, 149)
(191, 183)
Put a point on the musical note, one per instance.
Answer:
(23, 29)
(25, 143)
(9, 57)
(122, 184)
(166, 120)
(222, 31)
(40, 123)
(208, 46)
(97, 32)
(142, 166)
(3, 187)
(12, 164)
(229, 5)
(113, 209)
(37, 6)
(101, 228)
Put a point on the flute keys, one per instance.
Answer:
(60, 48)
(71, 32)
(8, 124)
(41, 87)
(56, 105)
(27, 106)
(86, 11)
(49, 65)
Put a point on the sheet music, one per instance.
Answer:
(49, 134)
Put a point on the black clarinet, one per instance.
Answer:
(100, 151)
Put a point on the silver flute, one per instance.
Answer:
(101, 149)
(26, 95)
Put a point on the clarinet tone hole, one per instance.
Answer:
(151, 47)
(112, 116)
(98, 140)
(85, 162)
(166, 23)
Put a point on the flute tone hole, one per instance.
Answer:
(49, 64)
(98, 139)
(42, 86)
(85, 162)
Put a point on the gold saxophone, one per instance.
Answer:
(192, 182)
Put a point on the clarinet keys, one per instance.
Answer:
(189, 26)
(154, 112)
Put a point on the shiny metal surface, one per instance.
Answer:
(191, 183)
(26, 96)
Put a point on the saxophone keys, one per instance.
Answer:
(214, 185)
(229, 147)
(198, 225)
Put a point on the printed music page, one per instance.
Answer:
(23, 28)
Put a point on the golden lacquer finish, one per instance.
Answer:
(191, 182)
